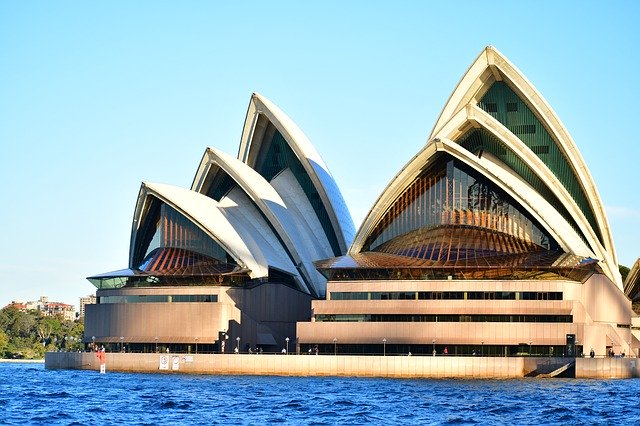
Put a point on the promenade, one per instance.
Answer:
(351, 365)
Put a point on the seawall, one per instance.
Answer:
(350, 365)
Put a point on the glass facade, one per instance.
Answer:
(479, 349)
(509, 109)
(156, 298)
(164, 227)
(439, 273)
(279, 157)
(207, 276)
(479, 141)
(441, 318)
(539, 265)
(221, 184)
(446, 295)
(452, 212)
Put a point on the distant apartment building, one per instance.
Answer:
(17, 304)
(37, 305)
(68, 312)
(47, 308)
(87, 300)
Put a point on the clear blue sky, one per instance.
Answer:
(96, 97)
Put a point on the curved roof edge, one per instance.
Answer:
(473, 116)
(309, 157)
(491, 66)
(392, 191)
(266, 199)
(203, 212)
(529, 199)
(632, 282)
(535, 204)
(247, 178)
(526, 196)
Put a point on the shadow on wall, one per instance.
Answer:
(269, 313)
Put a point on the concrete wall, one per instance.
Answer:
(142, 322)
(606, 368)
(267, 309)
(359, 366)
(605, 302)
(597, 307)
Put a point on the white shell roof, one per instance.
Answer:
(207, 215)
(491, 66)
(312, 162)
(290, 226)
(256, 233)
(275, 219)
(632, 282)
(459, 115)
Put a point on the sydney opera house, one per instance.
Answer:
(492, 240)
(228, 263)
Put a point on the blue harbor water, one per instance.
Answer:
(29, 394)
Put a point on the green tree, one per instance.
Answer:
(30, 334)
(4, 343)
(17, 323)
(624, 271)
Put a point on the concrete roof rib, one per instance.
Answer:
(313, 164)
(632, 282)
(267, 200)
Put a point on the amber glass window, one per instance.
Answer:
(451, 194)
(164, 226)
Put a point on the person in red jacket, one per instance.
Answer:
(102, 356)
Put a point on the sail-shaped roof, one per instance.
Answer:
(632, 282)
(271, 142)
(207, 214)
(303, 243)
(506, 146)
(495, 96)
(272, 212)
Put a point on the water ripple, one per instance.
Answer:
(31, 394)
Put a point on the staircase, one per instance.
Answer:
(554, 367)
